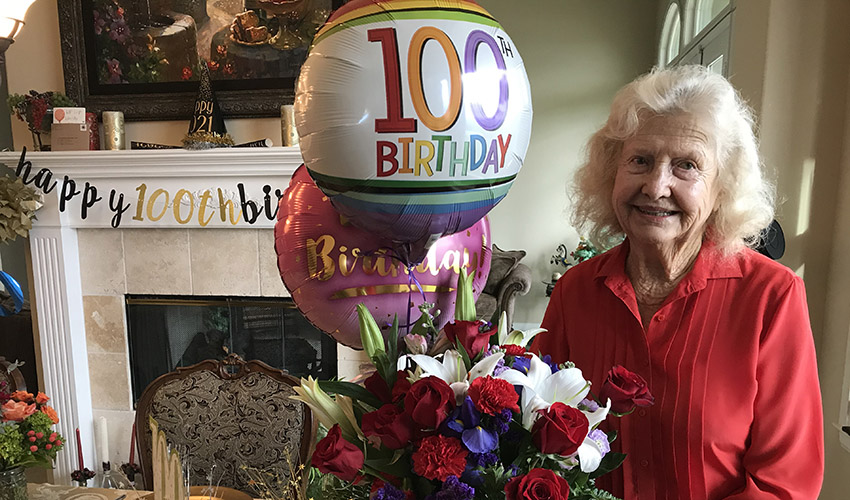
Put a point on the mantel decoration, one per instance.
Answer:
(27, 439)
(483, 419)
(36, 109)
(18, 204)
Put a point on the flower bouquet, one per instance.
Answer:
(26, 439)
(484, 419)
(36, 110)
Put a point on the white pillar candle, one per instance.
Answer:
(102, 440)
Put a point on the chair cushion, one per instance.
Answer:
(245, 421)
(501, 264)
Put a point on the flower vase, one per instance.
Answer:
(40, 140)
(13, 484)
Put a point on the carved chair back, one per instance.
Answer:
(222, 415)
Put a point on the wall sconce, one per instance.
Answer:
(12, 14)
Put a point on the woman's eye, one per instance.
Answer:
(639, 160)
(687, 165)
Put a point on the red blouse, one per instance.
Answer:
(730, 359)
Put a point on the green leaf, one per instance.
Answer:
(609, 462)
(356, 392)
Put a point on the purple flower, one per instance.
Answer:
(388, 492)
(589, 405)
(464, 422)
(500, 368)
(601, 440)
(521, 365)
(502, 422)
(119, 31)
(483, 459)
(453, 489)
(548, 360)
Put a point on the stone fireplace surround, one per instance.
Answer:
(82, 268)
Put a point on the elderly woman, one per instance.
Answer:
(720, 333)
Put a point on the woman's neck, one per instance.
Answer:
(655, 272)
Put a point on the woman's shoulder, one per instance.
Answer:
(762, 274)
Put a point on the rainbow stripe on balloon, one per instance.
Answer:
(360, 12)
(413, 209)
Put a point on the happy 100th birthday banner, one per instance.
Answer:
(245, 203)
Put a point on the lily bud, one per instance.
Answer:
(370, 334)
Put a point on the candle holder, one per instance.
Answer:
(81, 477)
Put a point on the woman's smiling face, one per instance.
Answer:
(665, 188)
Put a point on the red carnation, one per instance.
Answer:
(471, 338)
(561, 429)
(514, 350)
(429, 401)
(492, 395)
(390, 424)
(626, 390)
(439, 457)
(335, 455)
(538, 484)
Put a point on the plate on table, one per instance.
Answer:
(221, 492)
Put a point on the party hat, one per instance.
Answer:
(206, 129)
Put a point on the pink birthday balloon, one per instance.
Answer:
(330, 266)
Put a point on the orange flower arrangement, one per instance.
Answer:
(26, 430)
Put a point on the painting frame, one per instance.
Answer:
(242, 99)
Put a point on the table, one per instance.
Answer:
(58, 492)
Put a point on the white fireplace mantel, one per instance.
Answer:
(178, 174)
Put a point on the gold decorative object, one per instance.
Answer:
(289, 13)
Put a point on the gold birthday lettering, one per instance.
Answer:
(313, 254)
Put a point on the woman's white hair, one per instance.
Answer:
(745, 197)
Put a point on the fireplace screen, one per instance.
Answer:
(168, 332)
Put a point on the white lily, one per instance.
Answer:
(452, 370)
(327, 410)
(516, 337)
(541, 388)
(594, 447)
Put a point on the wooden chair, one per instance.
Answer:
(227, 413)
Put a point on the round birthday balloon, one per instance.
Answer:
(329, 266)
(414, 116)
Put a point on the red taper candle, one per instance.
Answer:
(80, 450)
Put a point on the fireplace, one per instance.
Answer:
(147, 225)
(166, 332)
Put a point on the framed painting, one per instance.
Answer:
(144, 57)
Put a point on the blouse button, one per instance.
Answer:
(660, 318)
(644, 463)
(642, 413)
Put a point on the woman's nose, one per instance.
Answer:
(657, 181)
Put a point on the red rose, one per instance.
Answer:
(337, 456)
(626, 390)
(429, 401)
(492, 395)
(538, 484)
(471, 338)
(439, 457)
(401, 386)
(561, 429)
(390, 424)
(378, 386)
